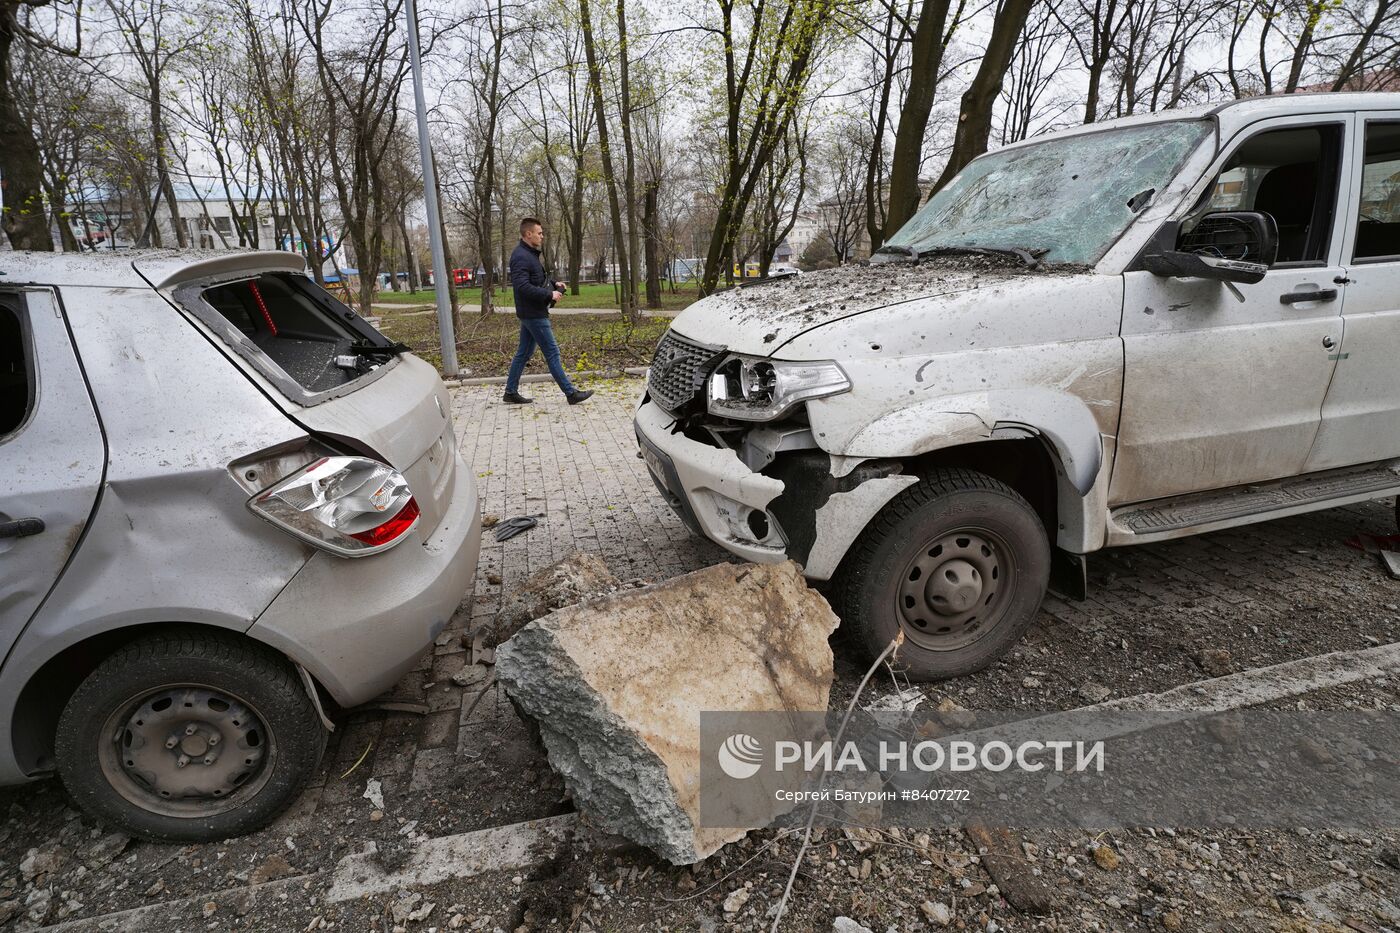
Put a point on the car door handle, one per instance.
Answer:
(1321, 294)
(21, 527)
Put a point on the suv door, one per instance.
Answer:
(1361, 415)
(51, 452)
(1220, 391)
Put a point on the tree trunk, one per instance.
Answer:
(452, 297)
(595, 82)
(409, 259)
(24, 221)
(576, 233)
(975, 117)
(629, 310)
(651, 228)
(927, 57)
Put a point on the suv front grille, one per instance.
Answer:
(678, 370)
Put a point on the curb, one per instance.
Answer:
(542, 377)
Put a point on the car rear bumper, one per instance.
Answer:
(358, 626)
(703, 484)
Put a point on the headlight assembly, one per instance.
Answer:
(757, 389)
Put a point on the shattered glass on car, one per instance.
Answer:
(1070, 198)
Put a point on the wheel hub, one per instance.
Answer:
(954, 587)
(949, 589)
(190, 743)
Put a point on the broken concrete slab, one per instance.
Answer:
(576, 578)
(617, 686)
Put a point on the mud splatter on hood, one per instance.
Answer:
(761, 318)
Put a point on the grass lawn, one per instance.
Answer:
(589, 296)
(485, 345)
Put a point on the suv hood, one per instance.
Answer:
(760, 319)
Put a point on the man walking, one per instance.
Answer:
(534, 296)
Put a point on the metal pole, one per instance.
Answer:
(442, 276)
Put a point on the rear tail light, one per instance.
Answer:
(351, 506)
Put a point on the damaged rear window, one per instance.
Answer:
(293, 332)
(1070, 197)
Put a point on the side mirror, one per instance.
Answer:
(1177, 264)
(1227, 246)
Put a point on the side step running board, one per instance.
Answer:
(1239, 505)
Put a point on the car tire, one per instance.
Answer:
(189, 737)
(959, 562)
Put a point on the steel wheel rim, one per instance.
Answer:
(954, 589)
(224, 742)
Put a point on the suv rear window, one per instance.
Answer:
(287, 321)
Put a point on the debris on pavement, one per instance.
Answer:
(374, 793)
(513, 526)
(575, 579)
(1006, 861)
(616, 687)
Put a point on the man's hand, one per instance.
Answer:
(557, 296)
(560, 286)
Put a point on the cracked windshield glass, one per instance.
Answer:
(1070, 198)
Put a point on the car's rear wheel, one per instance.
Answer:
(958, 562)
(189, 737)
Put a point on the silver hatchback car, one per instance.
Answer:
(226, 497)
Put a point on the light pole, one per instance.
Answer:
(442, 276)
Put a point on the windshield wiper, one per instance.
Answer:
(1030, 257)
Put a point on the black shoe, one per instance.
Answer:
(580, 395)
(515, 398)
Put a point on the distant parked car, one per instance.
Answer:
(226, 497)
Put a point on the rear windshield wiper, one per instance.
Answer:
(365, 348)
(1030, 257)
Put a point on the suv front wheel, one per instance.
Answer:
(189, 737)
(959, 562)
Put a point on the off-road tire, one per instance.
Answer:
(867, 591)
(262, 680)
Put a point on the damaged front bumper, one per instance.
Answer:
(711, 489)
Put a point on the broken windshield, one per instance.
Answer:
(1071, 197)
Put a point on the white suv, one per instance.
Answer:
(1121, 333)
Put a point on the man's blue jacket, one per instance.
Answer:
(533, 289)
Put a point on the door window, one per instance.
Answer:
(16, 380)
(1290, 174)
(1378, 217)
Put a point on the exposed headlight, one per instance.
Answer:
(756, 389)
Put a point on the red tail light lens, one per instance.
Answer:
(351, 506)
(393, 528)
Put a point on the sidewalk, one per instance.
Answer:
(430, 309)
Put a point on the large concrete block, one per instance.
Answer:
(617, 687)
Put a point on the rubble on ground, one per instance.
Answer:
(576, 578)
(617, 686)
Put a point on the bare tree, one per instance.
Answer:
(765, 79)
(54, 94)
(975, 115)
(841, 213)
(930, 41)
(24, 220)
(361, 83)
